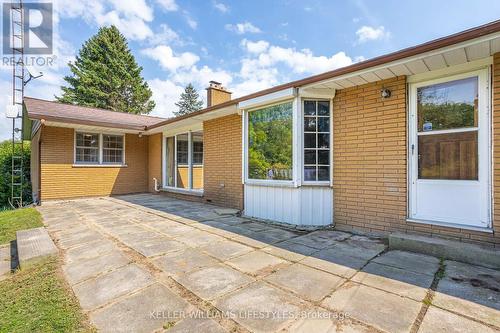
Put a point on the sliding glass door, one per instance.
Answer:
(184, 161)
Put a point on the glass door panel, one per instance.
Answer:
(182, 161)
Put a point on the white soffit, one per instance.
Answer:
(473, 51)
(268, 99)
(193, 123)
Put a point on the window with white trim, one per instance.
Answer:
(112, 149)
(98, 148)
(87, 148)
(270, 142)
(316, 140)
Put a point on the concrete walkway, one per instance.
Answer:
(143, 263)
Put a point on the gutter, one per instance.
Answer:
(473, 33)
(85, 122)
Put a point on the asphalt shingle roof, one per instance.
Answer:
(69, 113)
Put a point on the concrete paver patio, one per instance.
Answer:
(144, 263)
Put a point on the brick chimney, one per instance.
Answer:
(217, 94)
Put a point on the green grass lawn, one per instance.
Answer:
(36, 299)
(19, 219)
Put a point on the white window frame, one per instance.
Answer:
(190, 164)
(99, 150)
(101, 144)
(246, 146)
(330, 148)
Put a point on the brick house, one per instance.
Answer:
(408, 142)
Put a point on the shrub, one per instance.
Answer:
(5, 173)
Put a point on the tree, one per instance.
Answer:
(6, 169)
(106, 75)
(189, 101)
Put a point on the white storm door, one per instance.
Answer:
(449, 150)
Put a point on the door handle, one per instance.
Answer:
(412, 149)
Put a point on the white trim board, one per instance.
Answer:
(458, 202)
(268, 99)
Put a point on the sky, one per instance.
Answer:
(245, 45)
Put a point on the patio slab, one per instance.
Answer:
(409, 261)
(80, 238)
(76, 272)
(318, 240)
(5, 265)
(103, 289)
(226, 249)
(215, 281)
(328, 325)
(359, 247)
(197, 238)
(156, 246)
(306, 282)
(89, 250)
(395, 280)
(289, 251)
(332, 262)
(261, 299)
(470, 290)
(242, 265)
(145, 311)
(256, 263)
(197, 325)
(378, 308)
(178, 263)
(437, 320)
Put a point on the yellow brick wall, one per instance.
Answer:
(59, 179)
(222, 161)
(216, 96)
(370, 163)
(35, 165)
(154, 160)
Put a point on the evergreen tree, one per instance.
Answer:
(106, 75)
(189, 101)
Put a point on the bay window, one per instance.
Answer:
(270, 133)
(98, 148)
(286, 136)
(184, 161)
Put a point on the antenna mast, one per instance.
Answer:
(17, 45)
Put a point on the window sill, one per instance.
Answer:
(100, 166)
(196, 193)
(318, 183)
(451, 225)
(273, 183)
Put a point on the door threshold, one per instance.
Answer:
(451, 225)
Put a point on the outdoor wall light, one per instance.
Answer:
(385, 93)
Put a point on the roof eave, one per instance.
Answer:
(85, 122)
(463, 36)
